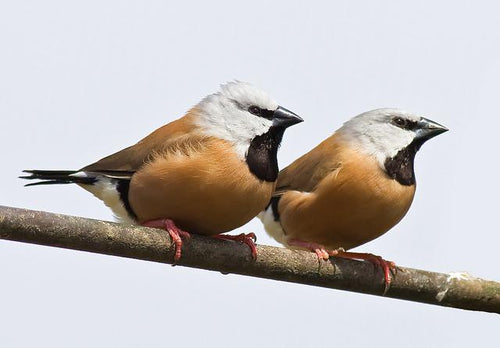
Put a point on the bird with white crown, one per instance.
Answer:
(352, 187)
(208, 172)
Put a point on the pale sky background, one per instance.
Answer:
(78, 82)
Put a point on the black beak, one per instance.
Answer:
(284, 118)
(427, 129)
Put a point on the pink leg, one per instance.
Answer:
(387, 266)
(174, 232)
(249, 239)
(320, 250)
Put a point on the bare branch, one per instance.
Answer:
(452, 290)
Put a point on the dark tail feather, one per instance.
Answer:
(47, 182)
(51, 177)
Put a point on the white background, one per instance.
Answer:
(78, 82)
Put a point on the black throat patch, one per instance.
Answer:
(262, 154)
(401, 166)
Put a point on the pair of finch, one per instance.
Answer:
(216, 168)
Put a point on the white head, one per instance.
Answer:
(382, 133)
(239, 112)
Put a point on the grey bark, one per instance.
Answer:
(451, 290)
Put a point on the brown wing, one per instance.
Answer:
(305, 173)
(124, 163)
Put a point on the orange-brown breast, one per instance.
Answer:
(202, 185)
(352, 204)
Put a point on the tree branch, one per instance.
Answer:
(452, 290)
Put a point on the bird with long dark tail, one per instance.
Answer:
(208, 172)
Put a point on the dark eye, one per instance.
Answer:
(400, 122)
(255, 110)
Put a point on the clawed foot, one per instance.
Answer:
(249, 239)
(323, 253)
(387, 267)
(175, 232)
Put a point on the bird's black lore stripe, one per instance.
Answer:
(122, 186)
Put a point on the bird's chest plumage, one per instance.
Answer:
(350, 206)
(205, 190)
